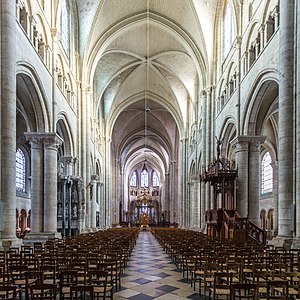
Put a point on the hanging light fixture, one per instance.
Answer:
(147, 110)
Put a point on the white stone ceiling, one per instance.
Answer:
(145, 54)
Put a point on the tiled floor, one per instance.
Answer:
(150, 274)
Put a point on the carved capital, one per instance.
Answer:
(68, 160)
(52, 141)
(34, 139)
(248, 143)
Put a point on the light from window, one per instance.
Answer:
(155, 179)
(144, 178)
(228, 29)
(266, 174)
(20, 171)
(65, 25)
(133, 179)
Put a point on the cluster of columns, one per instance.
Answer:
(247, 152)
(44, 148)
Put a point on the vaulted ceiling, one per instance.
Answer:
(146, 61)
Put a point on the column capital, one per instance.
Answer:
(68, 159)
(244, 141)
(34, 139)
(52, 141)
(48, 139)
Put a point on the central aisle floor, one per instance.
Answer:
(150, 274)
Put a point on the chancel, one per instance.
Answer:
(178, 116)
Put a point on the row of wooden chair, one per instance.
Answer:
(211, 263)
(67, 268)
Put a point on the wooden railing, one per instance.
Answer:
(228, 224)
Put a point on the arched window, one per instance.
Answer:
(228, 28)
(144, 178)
(133, 179)
(266, 174)
(155, 179)
(20, 171)
(65, 25)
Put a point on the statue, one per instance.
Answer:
(219, 143)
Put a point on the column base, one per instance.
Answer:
(40, 237)
(7, 243)
(281, 241)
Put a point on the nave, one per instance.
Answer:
(150, 274)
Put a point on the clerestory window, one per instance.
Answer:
(133, 179)
(155, 179)
(228, 29)
(65, 25)
(144, 179)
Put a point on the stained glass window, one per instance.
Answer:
(155, 179)
(65, 25)
(144, 178)
(133, 179)
(20, 171)
(266, 174)
(229, 28)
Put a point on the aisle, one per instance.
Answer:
(151, 275)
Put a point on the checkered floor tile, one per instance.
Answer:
(151, 275)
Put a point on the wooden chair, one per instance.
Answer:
(49, 274)
(198, 273)
(102, 289)
(208, 278)
(294, 284)
(241, 291)
(81, 292)
(277, 289)
(188, 263)
(67, 279)
(31, 278)
(18, 276)
(261, 280)
(221, 285)
(43, 291)
(10, 292)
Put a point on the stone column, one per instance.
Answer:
(286, 120)
(87, 154)
(254, 175)
(202, 204)
(296, 243)
(195, 203)
(208, 150)
(183, 182)
(37, 182)
(102, 206)
(94, 182)
(198, 204)
(68, 162)
(241, 153)
(51, 144)
(166, 200)
(8, 120)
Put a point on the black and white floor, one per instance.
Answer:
(150, 274)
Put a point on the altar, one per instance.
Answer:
(144, 210)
